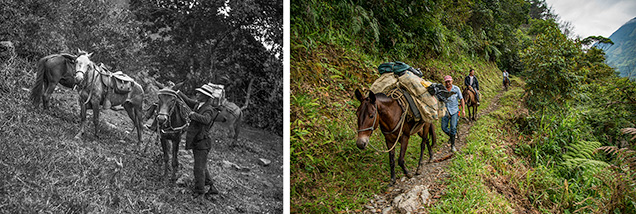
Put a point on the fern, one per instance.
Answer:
(579, 156)
(617, 192)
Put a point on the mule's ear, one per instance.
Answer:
(178, 86)
(371, 97)
(90, 55)
(359, 95)
(79, 51)
(158, 84)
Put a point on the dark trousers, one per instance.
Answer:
(201, 173)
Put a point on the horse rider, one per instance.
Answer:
(505, 76)
(452, 106)
(472, 83)
(202, 117)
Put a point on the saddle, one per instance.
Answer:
(120, 83)
(123, 84)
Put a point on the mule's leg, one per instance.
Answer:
(404, 141)
(82, 120)
(49, 88)
(392, 166)
(236, 128)
(175, 159)
(96, 118)
(135, 117)
(422, 134)
(431, 133)
(165, 150)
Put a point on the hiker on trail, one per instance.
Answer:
(452, 107)
(471, 82)
(505, 76)
(202, 117)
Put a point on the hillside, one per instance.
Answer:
(43, 169)
(622, 55)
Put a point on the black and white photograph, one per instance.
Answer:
(141, 106)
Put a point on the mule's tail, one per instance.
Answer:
(38, 88)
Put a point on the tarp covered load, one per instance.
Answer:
(430, 109)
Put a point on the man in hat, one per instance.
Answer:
(202, 117)
(452, 107)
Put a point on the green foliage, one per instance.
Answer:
(550, 62)
(580, 155)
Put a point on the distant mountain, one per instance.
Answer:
(622, 55)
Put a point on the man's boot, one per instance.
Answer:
(452, 141)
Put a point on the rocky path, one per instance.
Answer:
(408, 195)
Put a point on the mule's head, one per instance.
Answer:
(82, 63)
(368, 119)
(167, 103)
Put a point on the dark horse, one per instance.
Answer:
(506, 83)
(471, 101)
(385, 112)
(172, 121)
(96, 85)
(51, 70)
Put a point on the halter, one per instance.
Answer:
(374, 119)
(90, 65)
(400, 125)
(169, 129)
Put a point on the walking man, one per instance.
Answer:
(452, 107)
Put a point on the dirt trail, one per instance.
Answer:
(432, 174)
(246, 184)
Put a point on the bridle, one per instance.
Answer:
(400, 125)
(86, 81)
(375, 113)
(169, 129)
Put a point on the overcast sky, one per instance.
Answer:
(594, 17)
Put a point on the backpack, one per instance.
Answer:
(398, 68)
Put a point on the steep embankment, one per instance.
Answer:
(44, 169)
(329, 173)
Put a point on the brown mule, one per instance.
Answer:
(385, 112)
(506, 83)
(172, 122)
(471, 101)
(52, 69)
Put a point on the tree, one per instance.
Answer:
(550, 64)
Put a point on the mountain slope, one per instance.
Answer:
(622, 55)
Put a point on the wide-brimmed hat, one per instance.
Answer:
(211, 90)
(448, 78)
